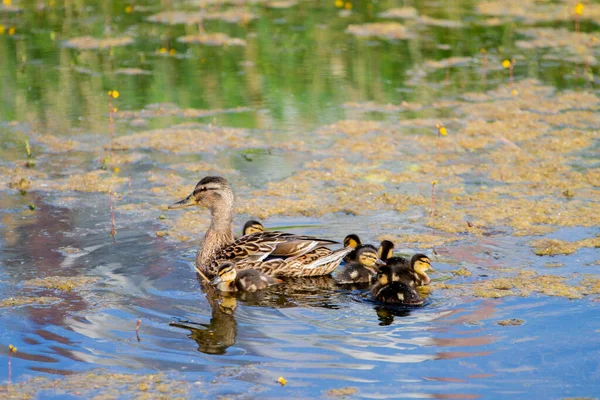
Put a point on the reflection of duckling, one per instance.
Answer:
(385, 250)
(252, 226)
(388, 291)
(411, 272)
(363, 268)
(248, 280)
(352, 241)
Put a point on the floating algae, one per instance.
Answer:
(102, 384)
(212, 39)
(380, 30)
(61, 283)
(27, 301)
(91, 43)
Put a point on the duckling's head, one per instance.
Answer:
(384, 276)
(420, 263)
(252, 226)
(211, 192)
(352, 240)
(226, 274)
(385, 250)
(367, 257)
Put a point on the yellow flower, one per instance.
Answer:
(128, 9)
(117, 169)
(115, 109)
(172, 51)
(579, 8)
(433, 183)
(2, 29)
(281, 380)
(348, 6)
(339, 3)
(12, 348)
(514, 92)
(482, 50)
(443, 131)
(162, 50)
(7, 2)
(506, 63)
(113, 93)
(11, 30)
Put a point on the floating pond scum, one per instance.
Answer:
(463, 130)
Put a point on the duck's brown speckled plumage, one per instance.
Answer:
(272, 253)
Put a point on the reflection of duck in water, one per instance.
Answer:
(248, 280)
(273, 253)
(389, 291)
(362, 269)
(216, 336)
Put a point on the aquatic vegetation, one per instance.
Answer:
(511, 322)
(91, 43)
(27, 300)
(400, 13)
(212, 39)
(61, 283)
(545, 247)
(381, 30)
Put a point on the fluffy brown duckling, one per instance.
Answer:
(252, 226)
(385, 250)
(249, 280)
(413, 272)
(352, 241)
(390, 292)
(363, 268)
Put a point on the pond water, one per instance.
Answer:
(326, 117)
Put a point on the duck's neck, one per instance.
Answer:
(218, 235)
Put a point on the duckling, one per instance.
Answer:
(248, 280)
(252, 226)
(390, 292)
(363, 268)
(411, 272)
(352, 241)
(385, 250)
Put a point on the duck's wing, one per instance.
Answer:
(260, 245)
(320, 261)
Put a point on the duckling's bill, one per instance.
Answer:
(187, 202)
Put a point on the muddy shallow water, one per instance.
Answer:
(327, 119)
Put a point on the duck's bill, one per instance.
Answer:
(380, 263)
(216, 281)
(187, 202)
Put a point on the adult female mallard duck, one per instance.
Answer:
(248, 280)
(413, 272)
(252, 226)
(390, 292)
(352, 241)
(362, 270)
(272, 253)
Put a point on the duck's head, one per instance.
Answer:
(352, 240)
(385, 250)
(367, 257)
(420, 263)
(211, 192)
(252, 226)
(226, 274)
(384, 276)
